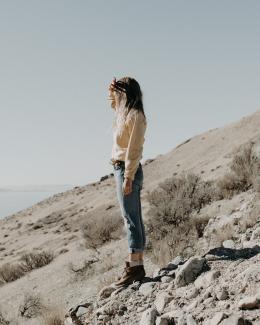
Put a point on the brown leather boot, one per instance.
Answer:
(130, 274)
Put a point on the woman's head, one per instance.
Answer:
(126, 95)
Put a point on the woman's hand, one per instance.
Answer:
(127, 186)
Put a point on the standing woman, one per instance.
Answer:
(128, 137)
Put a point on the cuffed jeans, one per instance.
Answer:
(131, 209)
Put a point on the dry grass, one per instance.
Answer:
(170, 224)
(244, 172)
(176, 198)
(221, 234)
(106, 280)
(102, 229)
(29, 261)
(85, 269)
(53, 316)
(34, 260)
(252, 218)
(11, 272)
(32, 306)
(3, 320)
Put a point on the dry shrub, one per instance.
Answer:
(98, 231)
(34, 260)
(106, 280)
(9, 272)
(170, 224)
(221, 234)
(54, 316)
(253, 217)
(3, 320)
(29, 261)
(85, 269)
(244, 172)
(32, 306)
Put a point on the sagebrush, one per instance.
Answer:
(171, 205)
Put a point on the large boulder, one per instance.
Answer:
(189, 271)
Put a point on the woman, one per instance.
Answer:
(128, 137)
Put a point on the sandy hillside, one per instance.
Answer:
(55, 223)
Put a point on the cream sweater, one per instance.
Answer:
(128, 144)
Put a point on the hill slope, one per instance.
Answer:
(55, 223)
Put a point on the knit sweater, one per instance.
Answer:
(128, 144)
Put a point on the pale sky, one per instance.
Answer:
(197, 63)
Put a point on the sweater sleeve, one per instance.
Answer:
(136, 125)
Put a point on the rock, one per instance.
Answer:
(175, 262)
(115, 292)
(173, 315)
(189, 271)
(192, 305)
(156, 272)
(191, 293)
(251, 274)
(140, 309)
(148, 317)
(190, 320)
(161, 321)
(104, 318)
(106, 292)
(164, 286)
(229, 244)
(171, 286)
(171, 273)
(205, 279)
(208, 293)
(103, 178)
(166, 279)
(68, 321)
(169, 269)
(252, 302)
(222, 294)
(147, 288)
(235, 320)
(182, 320)
(209, 302)
(162, 299)
(256, 234)
(218, 318)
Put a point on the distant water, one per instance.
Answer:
(14, 201)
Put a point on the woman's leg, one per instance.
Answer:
(133, 214)
(130, 206)
(139, 256)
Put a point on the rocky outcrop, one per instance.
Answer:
(218, 286)
(199, 290)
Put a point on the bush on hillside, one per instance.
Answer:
(243, 174)
(170, 223)
(29, 261)
(32, 306)
(100, 230)
(11, 272)
(3, 320)
(34, 260)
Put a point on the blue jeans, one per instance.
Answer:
(131, 209)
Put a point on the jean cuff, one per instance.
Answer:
(135, 250)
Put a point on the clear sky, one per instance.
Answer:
(197, 63)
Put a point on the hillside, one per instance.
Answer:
(77, 274)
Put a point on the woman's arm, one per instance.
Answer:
(136, 125)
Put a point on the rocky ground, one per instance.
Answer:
(220, 286)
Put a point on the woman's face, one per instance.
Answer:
(112, 98)
(112, 95)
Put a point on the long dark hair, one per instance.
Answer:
(129, 94)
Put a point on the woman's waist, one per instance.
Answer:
(120, 163)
